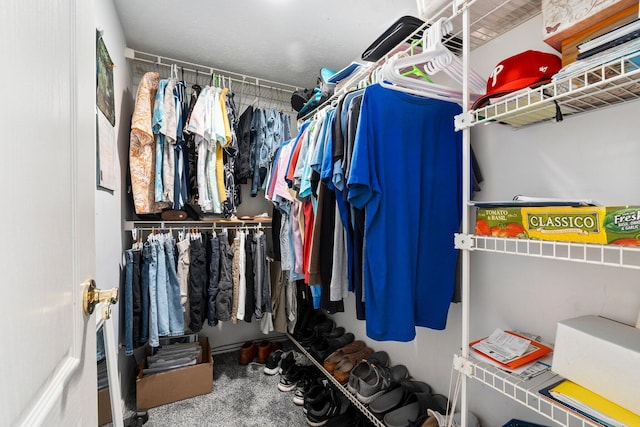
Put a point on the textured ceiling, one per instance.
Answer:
(286, 41)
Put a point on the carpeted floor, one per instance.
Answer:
(243, 396)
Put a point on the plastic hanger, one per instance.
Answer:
(415, 70)
(435, 57)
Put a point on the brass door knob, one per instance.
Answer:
(92, 296)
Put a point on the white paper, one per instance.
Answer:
(502, 346)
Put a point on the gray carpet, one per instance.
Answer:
(243, 396)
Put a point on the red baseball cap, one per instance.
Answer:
(525, 69)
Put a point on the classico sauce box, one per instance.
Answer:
(618, 225)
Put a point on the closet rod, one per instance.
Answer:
(200, 224)
(150, 58)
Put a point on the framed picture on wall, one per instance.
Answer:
(104, 80)
(105, 153)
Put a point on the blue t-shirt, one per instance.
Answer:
(406, 173)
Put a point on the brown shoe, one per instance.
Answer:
(247, 352)
(265, 348)
(342, 370)
(334, 358)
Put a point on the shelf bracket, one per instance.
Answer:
(463, 241)
(463, 120)
(461, 365)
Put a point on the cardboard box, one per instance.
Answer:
(563, 19)
(601, 355)
(618, 225)
(182, 383)
(104, 406)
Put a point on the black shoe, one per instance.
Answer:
(318, 332)
(289, 380)
(309, 378)
(287, 361)
(349, 418)
(304, 324)
(272, 365)
(336, 333)
(335, 404)
(341, 341)
(316, 394)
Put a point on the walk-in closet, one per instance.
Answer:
(280, 213)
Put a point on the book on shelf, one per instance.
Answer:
(629, 50)
(609, 36)
(590, 404)
(510, 350)
(609, 45)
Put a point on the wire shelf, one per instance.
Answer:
(610, 255)
(601, 86)
(524, 392)
(354, 401)
(488, 19)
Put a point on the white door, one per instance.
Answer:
(47, 184)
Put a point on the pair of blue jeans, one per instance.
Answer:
(132, 301)
(150, 257)
(174, 305)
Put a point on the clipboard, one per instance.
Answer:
(535, 351)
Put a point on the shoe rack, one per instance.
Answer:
(354, 401)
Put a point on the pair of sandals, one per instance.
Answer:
(406, 403)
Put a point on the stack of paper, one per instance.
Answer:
(509, 350)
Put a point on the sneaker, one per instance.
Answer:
(287, 361)
(272, 365)
(301, 359)
(335, 405)
(315, 393)
(364, 371)
(289, 380)
(382, 380)
(309, 377)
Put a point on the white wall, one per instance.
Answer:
(591, 156)
(111, 206)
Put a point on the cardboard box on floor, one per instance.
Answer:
(182, 383)
(104, 406)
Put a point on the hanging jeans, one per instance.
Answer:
(261, 273)
(214, 276)
(176, 319)
(144, 295)
(225, 285)
(249, 304)
(151, 259)
(197, 281)
(128, 303)
(235, 269)
(183, 277)
(137, 298)
(162, 300)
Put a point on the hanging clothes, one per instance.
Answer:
(142, 148)
(197, 283)
(224, 299)
(426, 158)
(214, 277)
